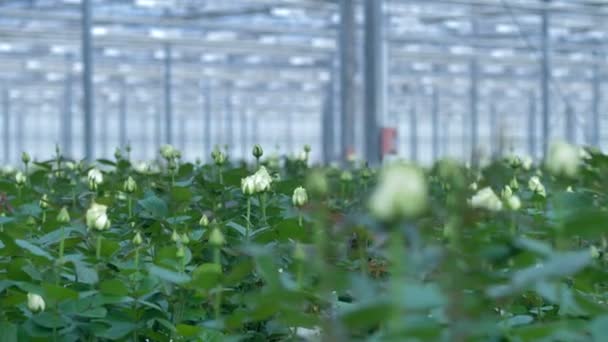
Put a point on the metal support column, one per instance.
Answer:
(87, 81)
(229, 116)
(545, 77)
(183, 135)
(347, 45)
(289, 131)
(122, 115)
(570, 132)
(474, 100)
(413, 132)
(103, 122)
(66, 125)
(532, 125)
(168, 96)
(494, 132)
(206, 90)
(595, 120)
(245, 146)
(327, 127)
(375, 89)
(435, 122)
(6, 122)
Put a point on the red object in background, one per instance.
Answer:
(389, 140)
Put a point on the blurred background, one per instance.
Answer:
(419, 79)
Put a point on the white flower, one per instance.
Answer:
(512, 201)
(35, 302)
(473, 186)
(535, 185)
(401, 193)
(583, 154)
(569, 189)
(137, 239)
(262, 180)
(248, 185)
(563, 159)
(526, 162)
(313, 334)
(486, 199)
(97, 217)
(300, 197)
(95, 178)
(20, 178)
(130, 186)
(514, 184)
(168, 152)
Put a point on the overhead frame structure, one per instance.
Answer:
(150, 63)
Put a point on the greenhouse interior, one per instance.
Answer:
(303, 170)
(416, 79)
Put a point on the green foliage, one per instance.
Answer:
(278, 272)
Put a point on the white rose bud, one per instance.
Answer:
(137, 239)
(536, 186)
(262, 180)
(563, 159)
(204, 221)
(300, 197)
(35, 302)
(401, 193)
(486, 199)
(25, 158)
(248, 185)
(20, 178)
(44, 201)
(175, 236)
(217, 238)
(130, 186)
(97, 217)
(95, 178)
(526, 162)
(257, 151)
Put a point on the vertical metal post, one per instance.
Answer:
(327, 117)
(532, 126)
(413, 132)
(122, 115)
(595, 120)
(87, 80)
(158, 126)
(183, 136)
(474, 99)
(545, 77)
(289, 132)
(6, 112)
(494, 139)
(255, 131)
(207, 118)
(435, 122)
(66, 125)
(375, 90)
(103, 121)
(168, 95)
(229, 118)
(347, 45)
(20, 129)
(243, 130)
(570, 133)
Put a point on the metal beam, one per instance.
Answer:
(289, 132)
(474, 98)
(596, 98)
(122, 115)
(327, 118)
(375, 89)
(347, 45)
(413, 131)
(229, 118)
(6, 113)
(206, 93)
(435, 122)
(494, 132)
(243, 124)
(66, 125)
(545, 79)
(87, 81)
(168, 95)
(570, 127)
(532, 125)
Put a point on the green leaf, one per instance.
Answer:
(8, 332)
(113, 287)
(85, 274)
(117, 330)
(30, 247)
(154, 207)
(59, 293)
(206, 276)
(168, 275)
(50, 320)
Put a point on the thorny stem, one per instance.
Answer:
(248, 217)
(98, 249)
